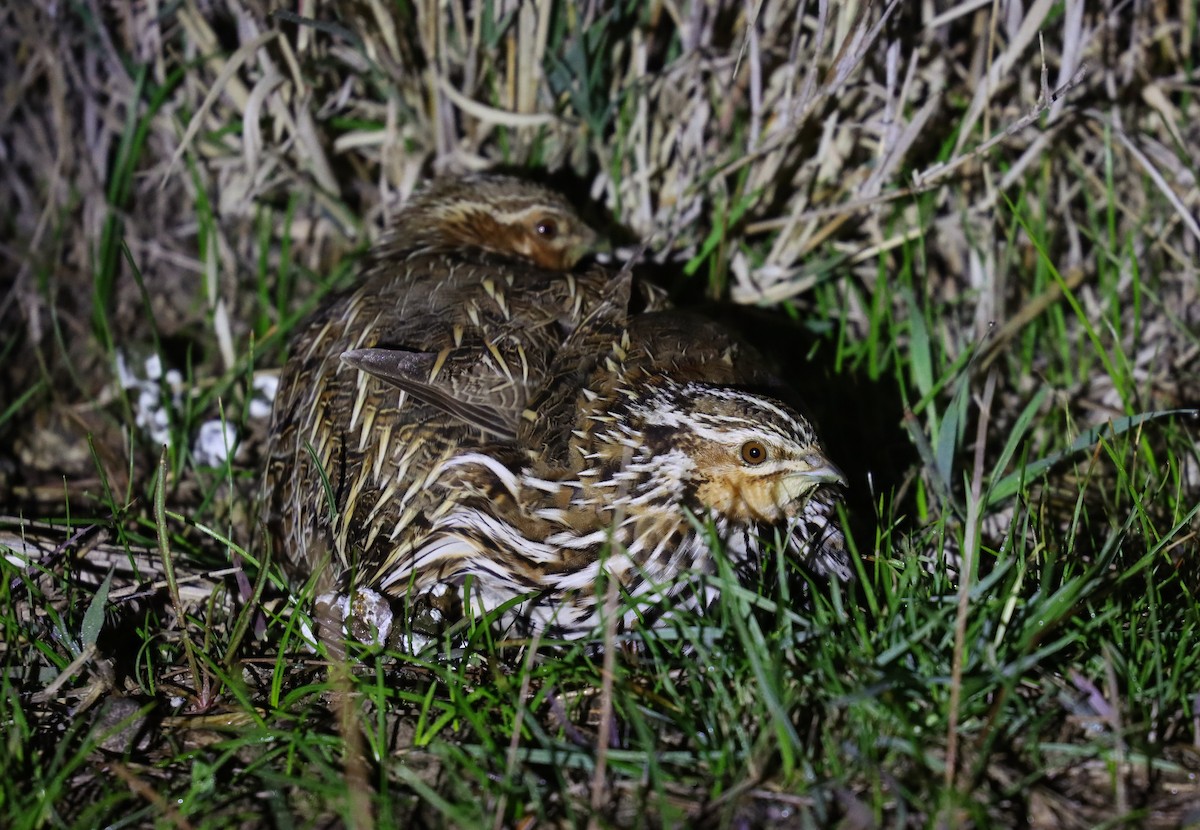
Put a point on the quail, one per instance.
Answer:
(480, 265)
(635, 462)
(480, 425)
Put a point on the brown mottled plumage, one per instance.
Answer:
(510, 217)
(661, 432)
(476, 414)
(479, 263)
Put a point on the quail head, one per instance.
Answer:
(502, 215)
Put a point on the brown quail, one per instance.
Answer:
(644, 439)
(516, 431)
(479, 265)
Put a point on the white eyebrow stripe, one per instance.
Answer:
(513, 217)
(725, 435)
(724, 428)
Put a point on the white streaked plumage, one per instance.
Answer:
(522, 533)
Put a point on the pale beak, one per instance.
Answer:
(820, 470)
(810, 472)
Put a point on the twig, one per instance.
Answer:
(923, 180)
(166, 809)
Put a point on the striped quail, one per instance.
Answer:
(641, 437)
(514, 428)
(479, 265)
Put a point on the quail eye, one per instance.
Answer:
(754, 452)
(546, 228)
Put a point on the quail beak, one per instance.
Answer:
(587, 242)
(596, 243)
(811, 471)
(820, 470)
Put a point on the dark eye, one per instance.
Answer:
(546, 228)
(754, 452)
